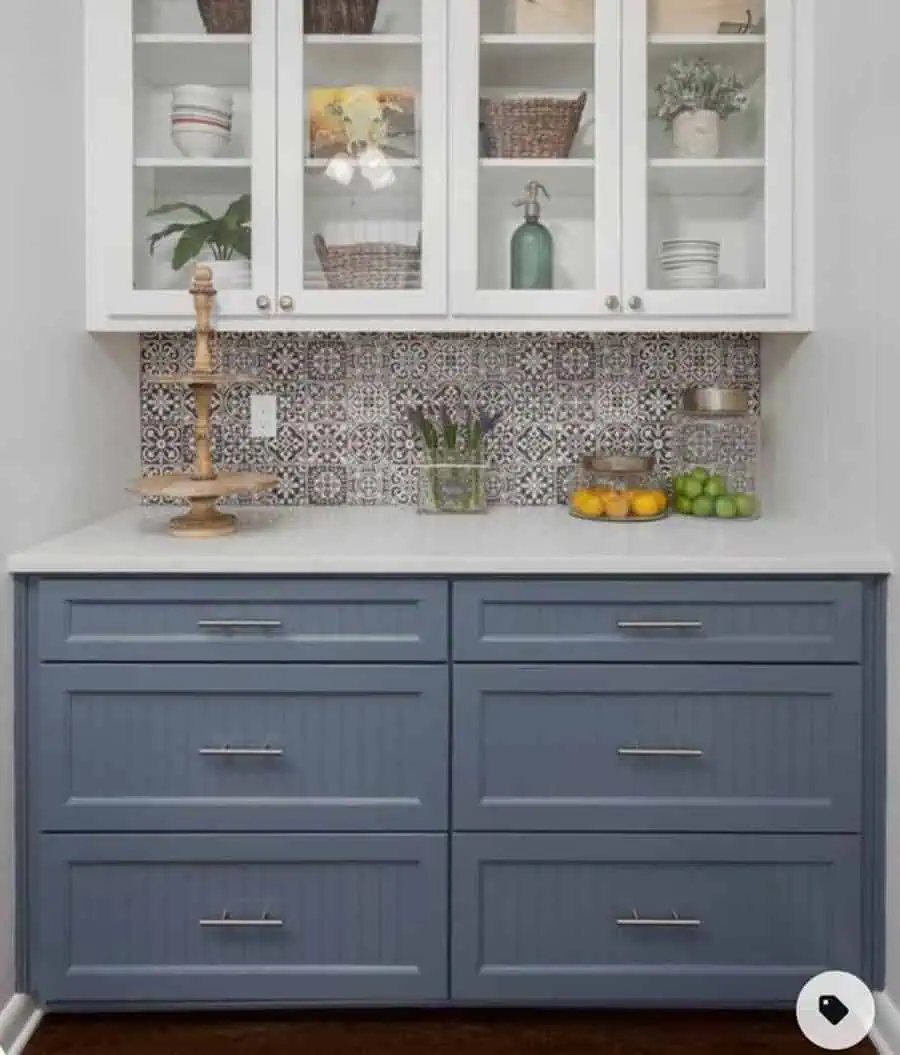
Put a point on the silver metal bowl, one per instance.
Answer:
(619, 464)
(716, 401)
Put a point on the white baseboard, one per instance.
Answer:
(886, 1034)
(18, 1021)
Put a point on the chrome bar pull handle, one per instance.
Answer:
(239, 624)
(634, 920)
(659, 752)
(227, 920)
(659, 624)
(226, 751)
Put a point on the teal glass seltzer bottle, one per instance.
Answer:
(531, 248)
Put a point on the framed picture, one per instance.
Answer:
(344, 120)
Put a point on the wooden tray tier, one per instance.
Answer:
(203, 520)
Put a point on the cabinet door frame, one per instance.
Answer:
(431, 299)
(467, 299)
(110, 70)
(777, 297)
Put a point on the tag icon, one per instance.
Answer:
(833, 1009)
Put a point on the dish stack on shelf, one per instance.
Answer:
(201, 120)
(690, 263)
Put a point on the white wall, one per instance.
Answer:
(834, 401)
(69, 414)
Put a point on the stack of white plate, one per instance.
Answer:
(201, 120)
(690, 263)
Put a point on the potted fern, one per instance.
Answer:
(225, 241)
(694, 97)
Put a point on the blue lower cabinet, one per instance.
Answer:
(198, 747)
(657, 748)
(287, 919)
(726, 920)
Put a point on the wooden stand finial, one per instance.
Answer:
(203, 487)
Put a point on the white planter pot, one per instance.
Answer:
(231, 274)
(696, 134)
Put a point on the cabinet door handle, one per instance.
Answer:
(635, 303)
(613, 303)
(239, 624)
(660, 624)
(634, 920)
(227, 920)
(263, 302)
(226, 751)
(659, 752)
(286, 303)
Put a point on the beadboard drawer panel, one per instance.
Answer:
(242, 620)
(544, 918)
(155, 747)
(657, 622)
(666, 748)
(312, 918)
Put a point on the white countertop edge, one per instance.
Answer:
(372, 541)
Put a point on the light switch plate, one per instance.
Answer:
(263, 417)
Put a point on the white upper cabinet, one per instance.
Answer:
(362, 161)
(450, 164)
(708, 195)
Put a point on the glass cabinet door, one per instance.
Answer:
(362, 157)
(182, 107)
(708, 168)
(536, 158)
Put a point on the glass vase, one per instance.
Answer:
(452, 485)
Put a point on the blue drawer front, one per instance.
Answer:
(209, 747)
(550, 918)
(242, 621)
(329, 917)
(665, 748)
(657, 622)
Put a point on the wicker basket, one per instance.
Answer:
(339, 16)
(537, 127)
(701, 16)
(226, 16)
(370, 265)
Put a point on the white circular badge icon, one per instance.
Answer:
(835, 1010)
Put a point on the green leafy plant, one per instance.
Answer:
(228, 235)
(697, 84)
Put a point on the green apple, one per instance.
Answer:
(700, 473)
(678, 484)
(702, 507)
(714, 487)
(746, 505)
(726, 508)
(684, 505)
(692, 488)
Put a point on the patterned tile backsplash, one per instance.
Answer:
(343, 436)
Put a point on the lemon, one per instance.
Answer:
(588, 504)
(618, 507)
(645, 505)
(661, 500)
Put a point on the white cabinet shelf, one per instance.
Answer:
(621, 190)
(706, 178)
(165, 60)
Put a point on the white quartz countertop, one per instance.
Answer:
(386, 540)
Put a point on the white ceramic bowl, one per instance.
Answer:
(203, 95)
(187, 122)
(199, 144)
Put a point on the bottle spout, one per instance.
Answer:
(532, 201)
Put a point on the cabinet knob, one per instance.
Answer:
(263, 302)
(635, 303)
(613, 303)
(286, 303)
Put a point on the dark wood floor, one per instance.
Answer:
(613, 1033)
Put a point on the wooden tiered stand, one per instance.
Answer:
(203, 486)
